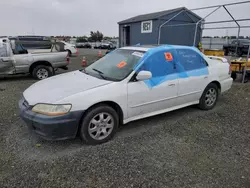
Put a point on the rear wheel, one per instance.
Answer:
(41, 72)
(209, 97)
(99, 125)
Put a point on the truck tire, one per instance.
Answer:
(233, 75)
(99, 125)
(209, 97)
(41, 72)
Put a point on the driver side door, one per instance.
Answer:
(156, 95)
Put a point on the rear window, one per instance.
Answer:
(3, 50)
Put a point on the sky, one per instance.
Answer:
(79, 17)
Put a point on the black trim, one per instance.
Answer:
(51, 127)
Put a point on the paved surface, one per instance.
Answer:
(184, 148)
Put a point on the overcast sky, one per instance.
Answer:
(79, 17)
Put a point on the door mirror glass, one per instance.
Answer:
(144, 75)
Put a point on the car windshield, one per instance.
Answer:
(116, 65)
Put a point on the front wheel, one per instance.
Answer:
(99, 125)
(209, 97)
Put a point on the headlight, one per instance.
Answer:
(52, 109)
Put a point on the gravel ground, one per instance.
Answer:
(184, 148)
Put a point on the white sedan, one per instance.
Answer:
(128, 84)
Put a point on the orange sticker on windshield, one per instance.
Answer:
(168, 56)
(121, 64)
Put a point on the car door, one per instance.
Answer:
(6, 60)
(153, 96)
(193, 75)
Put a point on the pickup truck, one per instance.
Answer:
(241, 45)
(14, 59)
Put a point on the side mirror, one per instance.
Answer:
(143, 75)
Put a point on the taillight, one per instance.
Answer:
(77, 51)
(67, 59)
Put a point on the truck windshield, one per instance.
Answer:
(116, 65)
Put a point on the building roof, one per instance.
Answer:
(155, 15)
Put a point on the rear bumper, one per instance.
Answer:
(49, 127)
(226, 84)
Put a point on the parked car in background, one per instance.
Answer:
(70, 48)
(242, 47)
(126, 85)
(105, 46)
(83, 45)
(15, 59)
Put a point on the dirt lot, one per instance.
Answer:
(184, 148)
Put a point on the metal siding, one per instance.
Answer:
(179, 35)
(143, 38)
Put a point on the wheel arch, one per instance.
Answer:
(112, 104)
(38, 63)
(217, 83)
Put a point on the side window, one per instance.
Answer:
(158, 65)
(3, 50)
(190, 59)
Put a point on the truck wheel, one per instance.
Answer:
(41, 72)
(209, 97)
(99, 125)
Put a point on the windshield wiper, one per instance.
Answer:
(100, 73)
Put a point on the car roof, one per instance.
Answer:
(145, 48)
(141, 47)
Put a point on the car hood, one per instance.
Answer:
(59, 87)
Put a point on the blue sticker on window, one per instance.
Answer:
(186, 62)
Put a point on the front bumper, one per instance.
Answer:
(50, 127)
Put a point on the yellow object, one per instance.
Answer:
(214, 53)
(239, 64)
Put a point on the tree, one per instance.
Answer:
(95, 36)
(216, 37)
(82, 39)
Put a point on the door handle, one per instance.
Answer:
(171, 85)
(205, 77)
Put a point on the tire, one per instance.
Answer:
(43, 69)
(204, 100)
(234, 75)
(69, 53)
(226, 52)
(94, 115)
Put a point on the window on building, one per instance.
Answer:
(146, 26)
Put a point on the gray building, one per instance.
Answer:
(144, 29)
